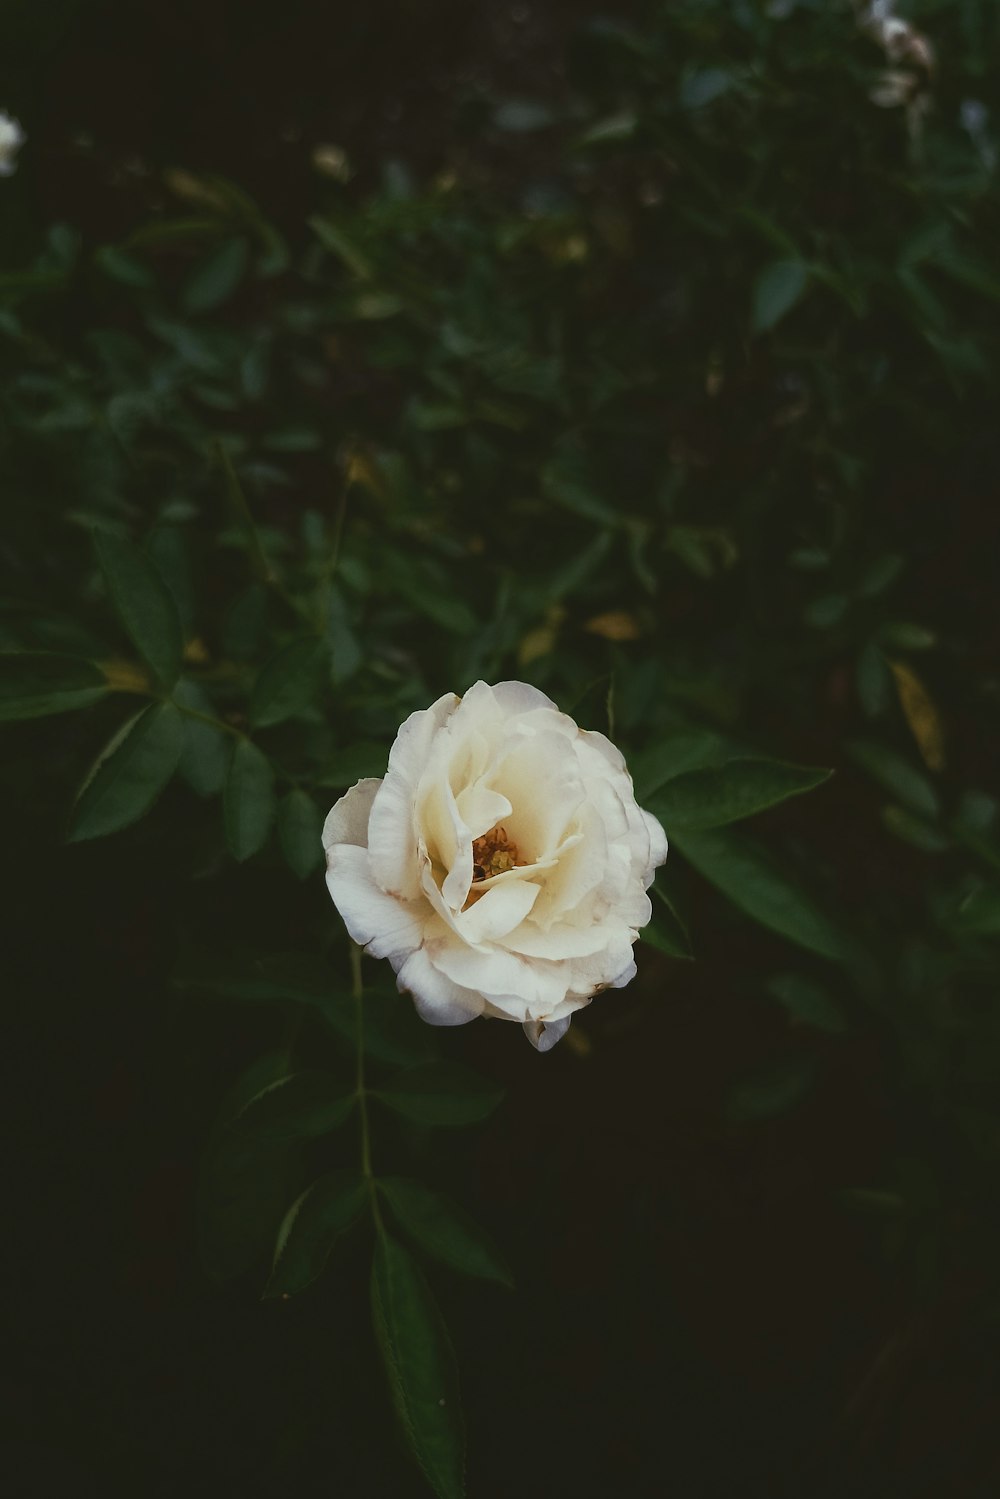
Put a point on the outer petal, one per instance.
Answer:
(543, 1034)
(520, 697)
(657, 843)
(385, 926)
(437, 999)
(391, 836)
(530, 984)
(347, 820)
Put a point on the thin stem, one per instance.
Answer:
(357, 991)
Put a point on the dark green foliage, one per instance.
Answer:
(248, 800)
(130, 774)
(311, 1227)
(34, 685)
(672, 392)
(439, 1093)
(143, 604)
(420, 1366)
(443, 1230)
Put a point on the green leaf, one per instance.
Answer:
(167, 550)
(978, 915)
(339, 243)
(248, 800)
(144, 606)
(443, 1230)
(355, 762)
(440, 1093)
(751, 879)
(393, 1030)
(896, 774)
(807, 1002)
(665, 930)
(205, 760)
(420, 1366)
(215, 278)
(244, 1186)
(741, 788)
(120, 266)
(300, 830)
(773, 1090)
(915, 830)
(288, 682)
(297, 1107)
(276, 978)
(130, 774)
(903, 635)
(776, 291)
(34, 684)
(694, 749)
(311, 1227)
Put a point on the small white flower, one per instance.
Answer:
(502, 863)
(12, 138)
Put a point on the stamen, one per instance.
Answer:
(492, 854)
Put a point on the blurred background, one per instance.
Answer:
(647, 352)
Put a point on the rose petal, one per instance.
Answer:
(498, 912)
(437, 999)
(384, 925)
(391, 836)
(347, 820)
(500, 975)
(543, 1034)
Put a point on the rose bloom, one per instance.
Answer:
(12, 138)
(502, 863)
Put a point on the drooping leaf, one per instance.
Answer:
(274, 978)
(130, 774)
(34, 684)
(167, 549)
(978, 915)
(215, 278)
(753, 881)
(777, 289)
(300, 827)
(711, 798)
(144, 606)
(205, 760)
(248, 800)
(921, 714)
(244, 1186)
(665, 931)
(686, 750)
(298, 1106)
(440, 1093)
(420, 1365)
(896, 774)
(441, 1228)
(911, 828)
(807, 1002)
(287, 682)
(311, 1227)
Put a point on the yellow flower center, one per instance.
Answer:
(492, 854)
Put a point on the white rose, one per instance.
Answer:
(12, 138)
(502, 863)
